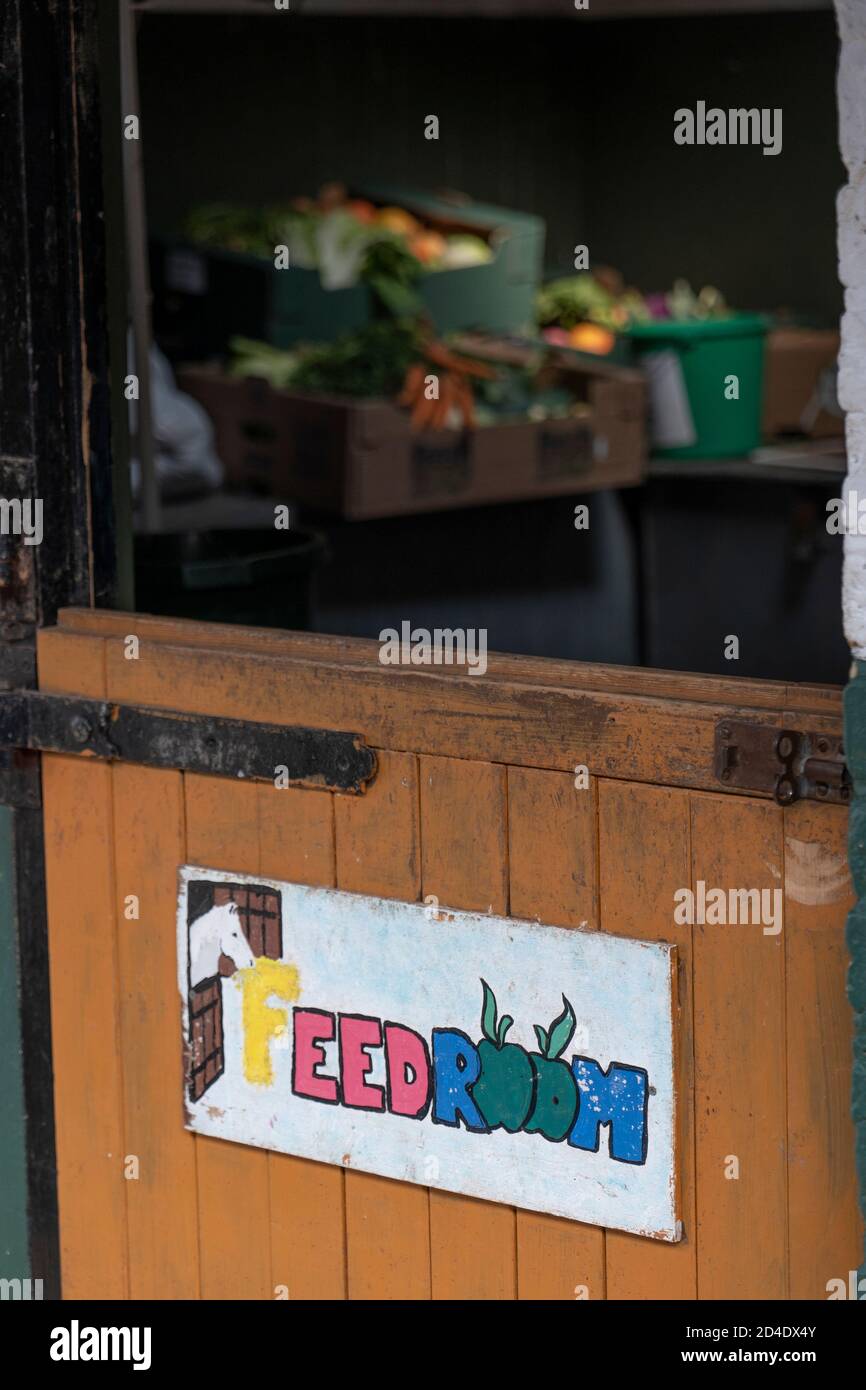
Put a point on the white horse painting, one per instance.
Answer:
(217, 933)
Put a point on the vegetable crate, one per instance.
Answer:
(204, 297)
(361, 460)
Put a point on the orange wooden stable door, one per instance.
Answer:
(474, 802)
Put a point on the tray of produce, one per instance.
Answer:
(313, 268)
(392, 419)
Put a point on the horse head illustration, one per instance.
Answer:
(214, 934)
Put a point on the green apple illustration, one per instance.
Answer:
(503, 1091)
(555, 1091)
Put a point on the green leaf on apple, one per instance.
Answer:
(488, 1015)
(561, 1031)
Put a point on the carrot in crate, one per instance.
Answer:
(454, 387)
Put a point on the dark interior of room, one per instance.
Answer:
(574, 126)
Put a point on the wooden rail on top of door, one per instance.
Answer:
(627, 723)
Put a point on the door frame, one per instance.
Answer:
(55, 446)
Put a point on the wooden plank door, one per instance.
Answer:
(475, 804)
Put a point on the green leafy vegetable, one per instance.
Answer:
(252, 358)
(372, 362)
(343, 249)
(584, 299)
(573, 300)
(392, 272)
(342, 245)
(231, 227)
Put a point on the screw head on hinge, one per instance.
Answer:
(79, 729)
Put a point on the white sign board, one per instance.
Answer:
(521, 1063)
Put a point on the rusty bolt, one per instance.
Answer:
(79, 729)
(785, 746)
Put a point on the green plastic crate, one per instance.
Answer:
(203, 297)
(499, 296)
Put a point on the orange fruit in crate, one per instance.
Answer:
(360, 208)
(427, 246)
(398, 220)
(589, 337)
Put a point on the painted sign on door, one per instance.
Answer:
(502, 1059)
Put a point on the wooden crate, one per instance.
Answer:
(360, 459)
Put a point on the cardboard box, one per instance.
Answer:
(794, 363)
(360, 458)
(253, 426)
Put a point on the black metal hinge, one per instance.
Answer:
(791, 765)
(329, 759)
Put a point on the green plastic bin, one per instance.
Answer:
(689, 366)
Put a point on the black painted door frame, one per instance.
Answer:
(57, 61)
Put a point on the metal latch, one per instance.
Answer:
(330, 759)
(791, 765)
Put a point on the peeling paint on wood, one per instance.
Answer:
(814, 875)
